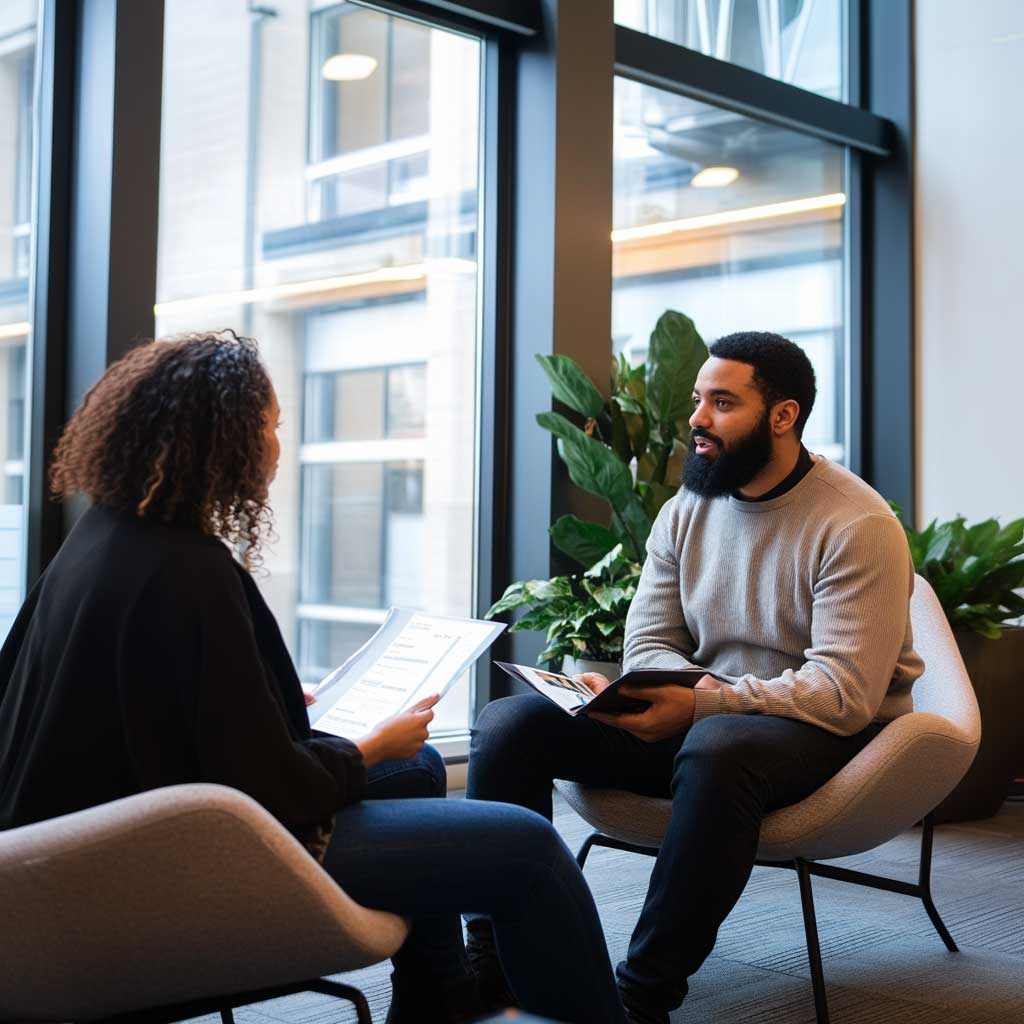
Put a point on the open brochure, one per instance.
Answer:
(576, 698)
(411, 656)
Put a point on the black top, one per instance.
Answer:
(145, 657)
(804, 462)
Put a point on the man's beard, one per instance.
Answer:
(733, 467)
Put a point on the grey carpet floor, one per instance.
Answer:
(883, 961)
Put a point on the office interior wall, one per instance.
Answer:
(970, 267)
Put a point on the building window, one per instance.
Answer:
(329, 208)
(370, 111)
(796, 41)
(738, 224)
(17, 126)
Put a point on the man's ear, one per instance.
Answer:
(784, 416)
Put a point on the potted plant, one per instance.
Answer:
(976, 571)
(629, 451)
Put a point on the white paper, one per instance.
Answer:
(402, 663)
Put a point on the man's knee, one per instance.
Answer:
(515, 720)
(719, 751)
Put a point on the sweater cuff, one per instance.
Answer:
(706, 703)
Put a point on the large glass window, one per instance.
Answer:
(323, 198)
(736, 223)
(795, 41)
(17, 130)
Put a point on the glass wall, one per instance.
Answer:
(795, 41)
(320, 193)
(17, 130)
(738, 224)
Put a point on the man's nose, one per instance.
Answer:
(700, 416)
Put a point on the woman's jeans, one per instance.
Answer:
(431, 859)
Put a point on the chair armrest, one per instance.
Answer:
(901, 775)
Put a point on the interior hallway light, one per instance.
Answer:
(410, 272)
(348, 67)
(726, 217)
(714, 177)
(20, 329)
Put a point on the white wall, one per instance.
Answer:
(970, 257)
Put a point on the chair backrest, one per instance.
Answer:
(179, 893)
(945, 688)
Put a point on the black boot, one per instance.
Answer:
(495, 992)
(422, 1002)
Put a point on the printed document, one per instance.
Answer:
(411, 656)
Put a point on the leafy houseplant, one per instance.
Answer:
(629, 451)
(975, 572)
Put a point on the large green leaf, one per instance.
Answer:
(582, 541)
(571, 386)
(675, 355)
(595, 467)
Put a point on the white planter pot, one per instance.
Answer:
(577, 666)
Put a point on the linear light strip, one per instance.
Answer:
(20, 329)
(295, 289)
(725, 217)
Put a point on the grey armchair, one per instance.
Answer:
(171, 904)
(896, 781)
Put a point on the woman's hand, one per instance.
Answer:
(400, 737)
(593, 681)
(707, 683)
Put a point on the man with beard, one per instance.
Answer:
(783, 574)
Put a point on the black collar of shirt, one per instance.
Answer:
(803, 466)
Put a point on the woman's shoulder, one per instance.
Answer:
(132, 553)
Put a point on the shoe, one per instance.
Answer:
(495, 992)
(637, 1013)
(422, 1003)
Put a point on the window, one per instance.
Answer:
(324, 199)
(738, 224)
(17, 125)
(796, 41)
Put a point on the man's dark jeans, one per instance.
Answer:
(723, 776)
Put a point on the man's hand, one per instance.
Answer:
(707, 683)
(670, 713)
(593, 681)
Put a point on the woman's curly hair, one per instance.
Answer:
(174, 432)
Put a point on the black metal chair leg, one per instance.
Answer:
(813, 948)
(349, 992)
(924, 881)
(226, 1016)
(588, 843)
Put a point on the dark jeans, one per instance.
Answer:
(723, 776)
(432, 859)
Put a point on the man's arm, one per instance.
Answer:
(656, 633)
(858, 625)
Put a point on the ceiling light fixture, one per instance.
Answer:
(714, 177)
(740, 216)
(348, 67)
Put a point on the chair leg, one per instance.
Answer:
(813, 948)
(226, 1016)
(349, 992)
(584, 851)
(925, 883)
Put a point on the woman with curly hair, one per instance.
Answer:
(145, 656)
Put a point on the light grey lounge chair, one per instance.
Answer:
(171, 904)
(896, 781)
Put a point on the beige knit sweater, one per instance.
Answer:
(801, 602)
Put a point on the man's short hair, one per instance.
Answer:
(781, 368)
